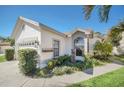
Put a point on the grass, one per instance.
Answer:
(102, 62)
(119, 58)
(2, 58)
(111, 79)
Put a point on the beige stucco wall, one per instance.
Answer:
(47, 38)
(68, 45)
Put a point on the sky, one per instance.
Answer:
(62, 18)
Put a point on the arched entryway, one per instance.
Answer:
(79, 47)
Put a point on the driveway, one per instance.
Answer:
(11, 77)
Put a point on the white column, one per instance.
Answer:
(85, 46)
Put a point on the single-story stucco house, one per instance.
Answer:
(50, 43)
(3, 45)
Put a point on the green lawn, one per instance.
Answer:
(120, 58)
(2, 58)
(111, 79)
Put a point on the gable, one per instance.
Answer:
(85, 32)
(78, 34)
(18, 28)
(36, 25)
(28, 32)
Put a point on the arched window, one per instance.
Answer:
(79, 41)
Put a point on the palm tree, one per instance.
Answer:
(103, 11)
(115, 33)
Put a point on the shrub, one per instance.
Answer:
(42, 72)
(102, 50)
(79, 65)
(63, 59)
(96, 62)
(63, 70)
(51, 63)
(27, 61)
(9, 54)
(58, 71)
(88, 62)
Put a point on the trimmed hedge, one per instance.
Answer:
(27, 61)
(9, 54)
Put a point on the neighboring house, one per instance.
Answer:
(50, 43)
(4, 46)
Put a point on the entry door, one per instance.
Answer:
(55, 48)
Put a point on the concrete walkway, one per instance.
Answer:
(11, 77)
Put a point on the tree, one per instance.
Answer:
(115, 34)
(10, 40)
(102, 50)
(103, 11)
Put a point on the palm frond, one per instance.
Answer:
(115, 33)
(87, 9)
(104, 12)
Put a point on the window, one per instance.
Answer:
(55, 48)
(79, 41)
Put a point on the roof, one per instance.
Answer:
(39, 25)
(5, 44)
(36, 24)
(86, 31)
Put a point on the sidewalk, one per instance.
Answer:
(11, 77)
